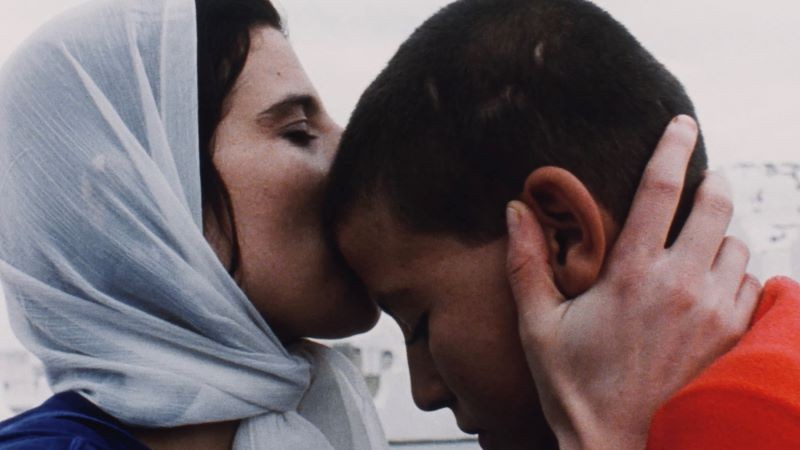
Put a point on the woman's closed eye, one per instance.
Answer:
(299, 134)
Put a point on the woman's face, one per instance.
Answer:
(273, 149)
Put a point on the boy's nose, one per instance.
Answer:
(427, 387)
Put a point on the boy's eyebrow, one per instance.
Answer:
(288, 104)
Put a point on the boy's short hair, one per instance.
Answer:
(485, 92)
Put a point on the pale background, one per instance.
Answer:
(739, 60)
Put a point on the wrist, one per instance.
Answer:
(598, 438)
(578, 427)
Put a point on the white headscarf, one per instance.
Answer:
(107, 274)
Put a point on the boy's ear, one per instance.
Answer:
(573, 225)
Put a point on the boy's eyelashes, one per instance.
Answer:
(412, 333)
(419, 332)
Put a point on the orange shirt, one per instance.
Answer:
(750, 397)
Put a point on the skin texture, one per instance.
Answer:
(455, 304)
(472, 360)
(677, 308)
(274, 165)
(274, 161)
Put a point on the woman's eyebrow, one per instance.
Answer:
(289, 104)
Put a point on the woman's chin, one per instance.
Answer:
(356, 317)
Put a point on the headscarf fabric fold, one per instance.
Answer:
(108, 277)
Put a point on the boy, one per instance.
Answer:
(487, 100)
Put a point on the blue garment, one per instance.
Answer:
(66, 421)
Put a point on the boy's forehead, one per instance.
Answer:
(386, 255)
(367, 237)
(370, 231)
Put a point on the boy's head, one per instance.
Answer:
(550, 101)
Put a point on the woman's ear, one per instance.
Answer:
(573, 225)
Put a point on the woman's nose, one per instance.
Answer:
(428, 389)
(334, 137)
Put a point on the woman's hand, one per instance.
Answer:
(606, 360)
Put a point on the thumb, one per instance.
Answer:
(527, 265)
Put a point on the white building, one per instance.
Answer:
(22, 382)
(5, 411)
(767, 218)
(796, 260)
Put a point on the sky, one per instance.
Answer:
(739, 60)
(739, 63)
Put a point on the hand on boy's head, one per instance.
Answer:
(604, 361)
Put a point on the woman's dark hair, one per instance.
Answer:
(223, 43)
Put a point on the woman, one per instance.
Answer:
(165, 288)
(109, 277)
